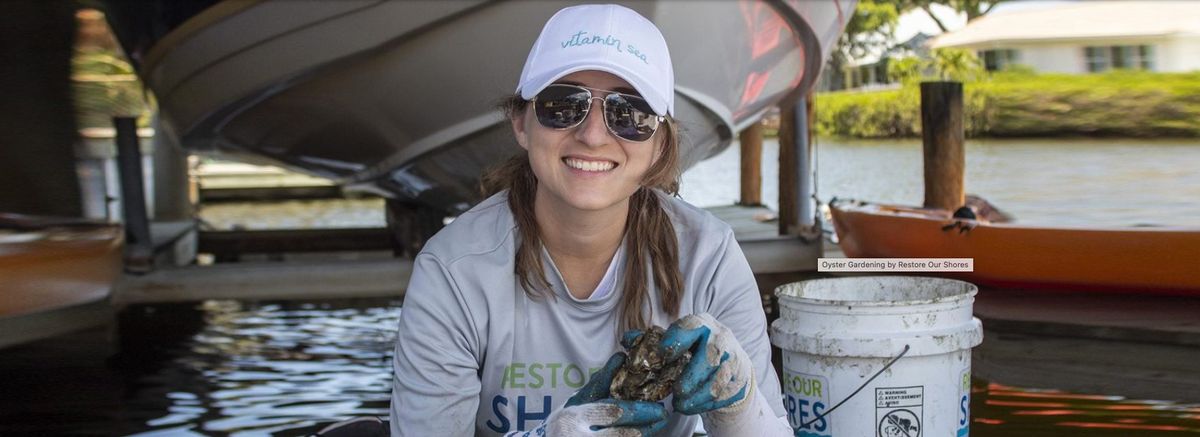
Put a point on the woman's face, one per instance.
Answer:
(586, 167)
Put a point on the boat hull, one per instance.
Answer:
(1133, 260)
(57, 267)
(400, 97)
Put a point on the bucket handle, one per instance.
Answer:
(864, 385)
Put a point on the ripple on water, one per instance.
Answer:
(263, 368)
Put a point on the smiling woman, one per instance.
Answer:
(580, 247)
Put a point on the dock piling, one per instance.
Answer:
(751, 139)
(797, 213)
(942, 135)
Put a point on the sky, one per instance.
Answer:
(918, 21)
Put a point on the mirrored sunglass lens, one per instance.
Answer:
(630, 117)
(561, 107)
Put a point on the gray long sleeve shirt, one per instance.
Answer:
(476, 355)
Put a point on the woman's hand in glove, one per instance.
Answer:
(719, 381)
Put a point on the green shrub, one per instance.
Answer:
(1022, 104)
(104, 86)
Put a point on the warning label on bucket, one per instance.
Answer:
(806, 399)
(898, 411)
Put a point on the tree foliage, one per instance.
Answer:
(945, 64)
(104, 86)
(872, 27)
(957, 64)
(1019, 103)
(906, 70)
(972, 8)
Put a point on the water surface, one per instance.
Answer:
(1059, 182)
(289, 368)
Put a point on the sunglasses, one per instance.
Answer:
(627, 116)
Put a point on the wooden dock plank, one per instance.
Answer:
(765, 249)
(387, 277)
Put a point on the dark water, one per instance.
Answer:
(244, 369)
(1001, 410)
(289, 368)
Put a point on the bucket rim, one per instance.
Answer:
(785, 294)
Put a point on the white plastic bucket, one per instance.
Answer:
(836, 334)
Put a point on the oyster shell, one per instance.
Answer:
(646, 375)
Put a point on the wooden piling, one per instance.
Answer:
(751, 142)
(942, 135)
(787, 169)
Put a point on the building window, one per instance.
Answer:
(1106, 58)
(1146, 55)
(998, 59)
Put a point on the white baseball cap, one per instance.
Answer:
(609, 38)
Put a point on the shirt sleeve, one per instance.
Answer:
(737, 304)
(435, 379)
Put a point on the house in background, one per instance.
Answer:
(1087, 37)
(870, 71)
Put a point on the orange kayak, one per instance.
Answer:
(1158, 260)
(53, 263)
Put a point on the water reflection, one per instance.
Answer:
(277, 368)
(291, 368)
(1003, 410)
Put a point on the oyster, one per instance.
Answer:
(646, 375)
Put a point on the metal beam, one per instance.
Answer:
(139, 245)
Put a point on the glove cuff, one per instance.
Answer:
(751, 416)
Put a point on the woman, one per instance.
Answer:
(512, 321)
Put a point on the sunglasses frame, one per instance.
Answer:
(603, 108)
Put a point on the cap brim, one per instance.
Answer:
(656, 102)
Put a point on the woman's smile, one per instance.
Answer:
(589, 165)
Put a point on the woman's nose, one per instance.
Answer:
(593, 132)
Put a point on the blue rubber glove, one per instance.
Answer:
(591, 411)
(720, 378)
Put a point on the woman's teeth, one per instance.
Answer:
(589, 165)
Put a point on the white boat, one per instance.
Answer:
(398, 97)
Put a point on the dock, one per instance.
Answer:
(757, 231)
(351, 263)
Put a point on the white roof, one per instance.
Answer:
(1082, 20)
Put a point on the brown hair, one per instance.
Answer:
(648, 229)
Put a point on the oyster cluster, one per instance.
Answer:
(646, 375)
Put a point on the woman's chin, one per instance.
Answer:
(595, 201)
